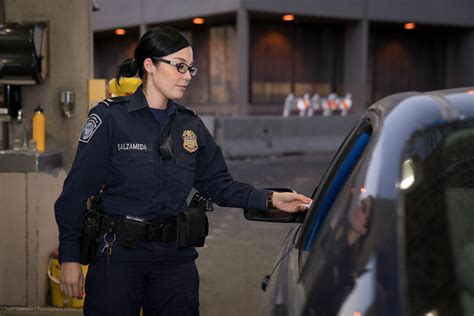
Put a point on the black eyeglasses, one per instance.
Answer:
(181, 67)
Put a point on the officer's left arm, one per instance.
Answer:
(213, 179)
(87, 174)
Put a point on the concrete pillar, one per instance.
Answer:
(243, 61)
(356, 50)
(466, 60)
(142, 30)
(70, 67)
(142, 26)
(28, 231)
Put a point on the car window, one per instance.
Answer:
(438, 195)
(333, 186)
(341, 272)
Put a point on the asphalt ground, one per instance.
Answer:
(238, 253)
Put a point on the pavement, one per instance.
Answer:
(237, 253)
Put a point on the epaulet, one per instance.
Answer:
(185, 109)
(115, 100)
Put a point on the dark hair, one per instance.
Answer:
(157, 42)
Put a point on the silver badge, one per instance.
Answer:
(92, 124)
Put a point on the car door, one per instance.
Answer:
(286, 292)
(348, 234)
(331, 238)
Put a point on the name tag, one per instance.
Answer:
(132, 146)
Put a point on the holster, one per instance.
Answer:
(132, 232)
(192, 228)
(89, 239)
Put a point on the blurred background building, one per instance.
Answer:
(252, 53)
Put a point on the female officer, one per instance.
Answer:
(147, 152)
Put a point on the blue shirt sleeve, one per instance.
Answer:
(213, 179)
(88, 173)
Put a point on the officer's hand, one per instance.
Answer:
(72, 279)
(290, 202)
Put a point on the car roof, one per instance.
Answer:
(450, 102)
(400, 116)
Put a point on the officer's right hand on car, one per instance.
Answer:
(290, 202)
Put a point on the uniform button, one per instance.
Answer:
(163, 207)
(165, 183)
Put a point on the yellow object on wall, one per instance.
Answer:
(39, 129)
(58, 299)
(97, 91)
(127, 86)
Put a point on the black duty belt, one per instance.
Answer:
(143, 230)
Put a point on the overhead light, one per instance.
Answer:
(409, 26)
(120, 32)
(198, 21)
(288, 17)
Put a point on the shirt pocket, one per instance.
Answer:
(185, 169)
(135, 171)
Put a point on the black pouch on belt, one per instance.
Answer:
(89, 236)
(192, 228)
(133, 230)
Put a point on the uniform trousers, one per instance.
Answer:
(156, 276)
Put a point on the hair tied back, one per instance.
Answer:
(128, 68)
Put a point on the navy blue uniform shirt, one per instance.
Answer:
(118, 148)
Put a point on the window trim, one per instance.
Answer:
(344, 171)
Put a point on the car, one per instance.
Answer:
(391, 227)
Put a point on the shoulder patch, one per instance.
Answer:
(92, 124)
(185, 109)
(109, 101)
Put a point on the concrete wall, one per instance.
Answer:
(28, 231)
(28, 234)
(275, 135)
(356, 14)
(114, 13)
(122, 13)
(70, 66)
(447, 12)
(343, 9)
(13, 239)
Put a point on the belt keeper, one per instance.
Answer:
(153, 231)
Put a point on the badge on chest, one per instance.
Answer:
(190, 141)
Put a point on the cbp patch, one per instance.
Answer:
(190, 141)
(92, 124)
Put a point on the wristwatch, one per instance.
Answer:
(270, 200)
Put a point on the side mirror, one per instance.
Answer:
(274, 215)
